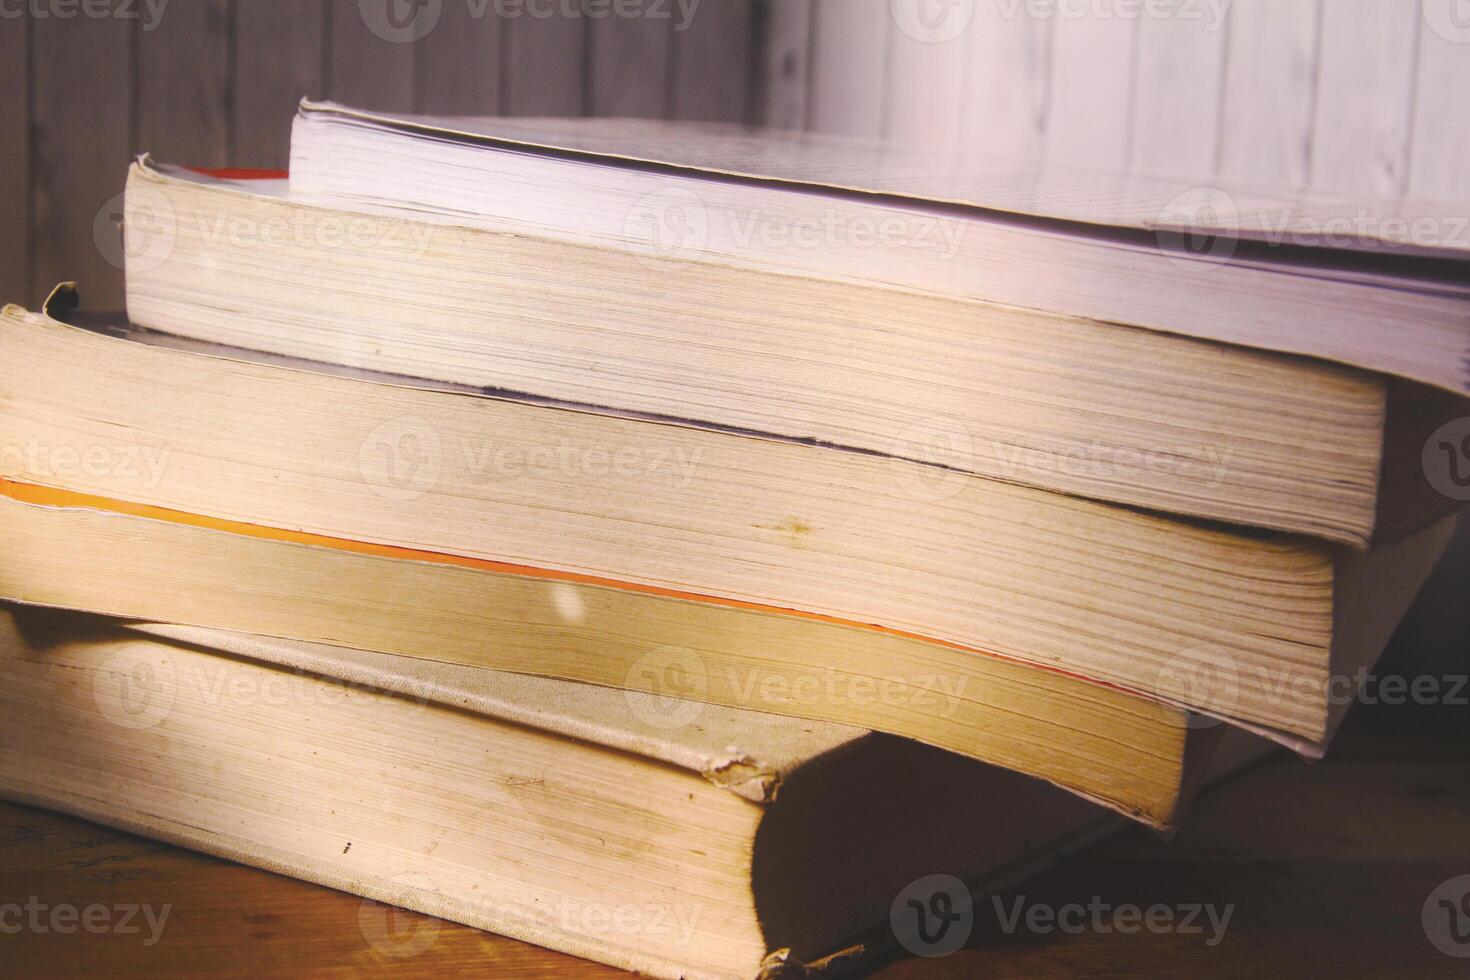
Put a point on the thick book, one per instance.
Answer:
(1248, 626)
(1227, 263)
(1137, 755)
(664, 836)
(1078, 405)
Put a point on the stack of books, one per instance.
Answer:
(720, 527)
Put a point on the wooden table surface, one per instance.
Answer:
(1327, 868)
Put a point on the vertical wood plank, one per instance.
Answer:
(1270, 91)
(712, 62)
(1440, 150)
(785, 75)
(545, 62)
(373, 46)
(1176, 103)
(1366, 83)
(1091, 113)
(629, 66)
(849, 66)
(929, 51)
(280, 46)
(83, 75)
(184, 82)
(1009, 89)
(460, 62)
(15, 163)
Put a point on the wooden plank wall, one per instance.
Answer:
(1351, 95)
(1359, 95)
(215, 83)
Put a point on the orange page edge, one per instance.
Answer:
(41, 496)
